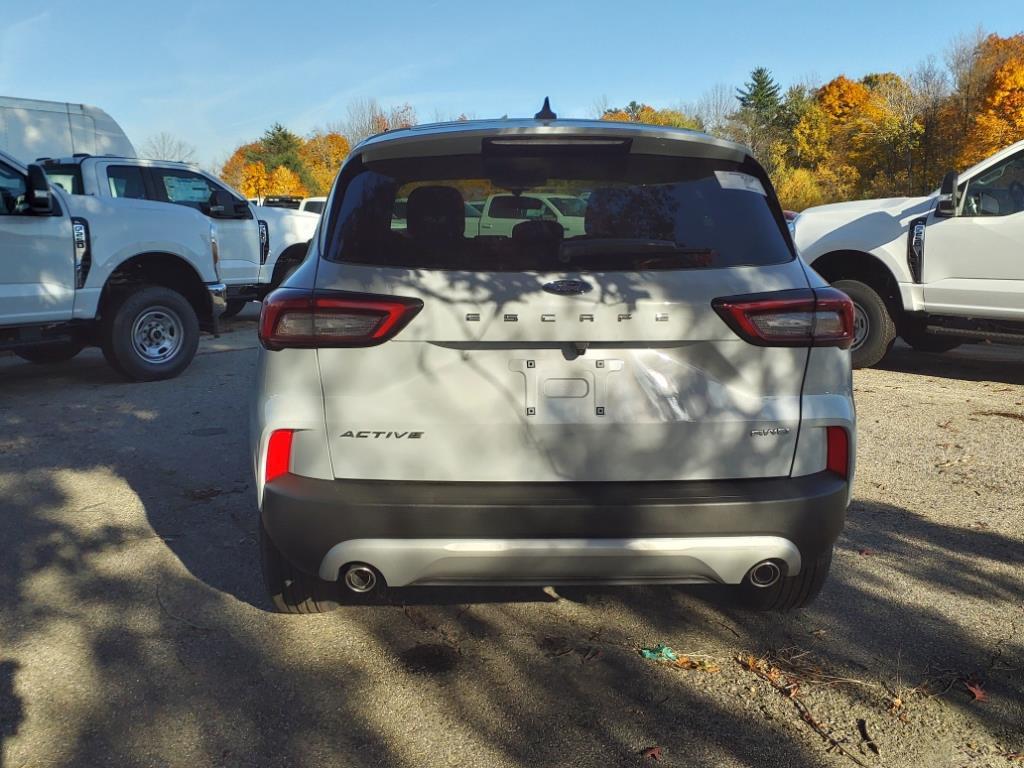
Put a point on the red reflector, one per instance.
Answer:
(822, 317)
(279, 454)
(300, 319)
(838, 451)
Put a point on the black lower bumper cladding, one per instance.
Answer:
(306, 517)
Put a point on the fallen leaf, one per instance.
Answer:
(654, 753)
(977, 692)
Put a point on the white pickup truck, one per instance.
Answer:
(134, 277)
(937, 271)
(259, 245)
(501, 212)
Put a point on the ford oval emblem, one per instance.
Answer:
(568, 287)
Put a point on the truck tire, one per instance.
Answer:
(234, 306)
(50, 353)
(917, 337)
(291, 590)
(150, 334)
(790, 592)
(874, 329)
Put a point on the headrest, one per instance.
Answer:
(537, 231)
(435, 213)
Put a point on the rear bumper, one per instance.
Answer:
(435, 533)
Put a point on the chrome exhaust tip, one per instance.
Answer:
(360, 578)
(765, 574)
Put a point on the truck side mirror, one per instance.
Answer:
(38, 194)
(224, 205)
(948, 196)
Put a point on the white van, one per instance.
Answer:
(31, 129)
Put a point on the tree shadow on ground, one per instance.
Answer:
(12, 707)
(134, 608)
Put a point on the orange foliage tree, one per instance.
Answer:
(323, 153)
(255, 181)
(284, 181)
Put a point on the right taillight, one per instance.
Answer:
(819, 317)
(308, 320)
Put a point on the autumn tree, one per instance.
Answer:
(999, 118)
(253, 180)
(635, 112)
(284, 181)
(234, 167)
(322, 154)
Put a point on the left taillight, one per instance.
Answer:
(279, 454)
(293, 318)
(819, 317)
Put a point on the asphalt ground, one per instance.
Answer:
(134, 630)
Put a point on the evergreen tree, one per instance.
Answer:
(761, 96)
(281, 147)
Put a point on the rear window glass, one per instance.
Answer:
(556, 213)
(126, 181)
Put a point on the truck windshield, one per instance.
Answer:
(630, 212)
(67, 177)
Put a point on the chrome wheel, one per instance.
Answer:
(157, 335)
(860, 326)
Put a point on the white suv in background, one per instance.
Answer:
(662, 397)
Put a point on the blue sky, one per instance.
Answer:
(216, 74)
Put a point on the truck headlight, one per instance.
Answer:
(83, 250)
(264, 241)
(215, 250)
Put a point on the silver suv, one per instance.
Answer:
(663, 398)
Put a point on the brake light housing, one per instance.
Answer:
(297, 319)
(818, 317)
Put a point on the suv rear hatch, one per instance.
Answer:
(546, 357)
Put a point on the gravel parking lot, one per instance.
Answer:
(134, 630)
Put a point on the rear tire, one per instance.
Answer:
(234, 306)
(50, 353)
(150, 334)
(874, 327)
(291, 590)
(917, 337)
(790, 592)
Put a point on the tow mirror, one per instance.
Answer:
(224, 205)
(948, 196)
(38, 194)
